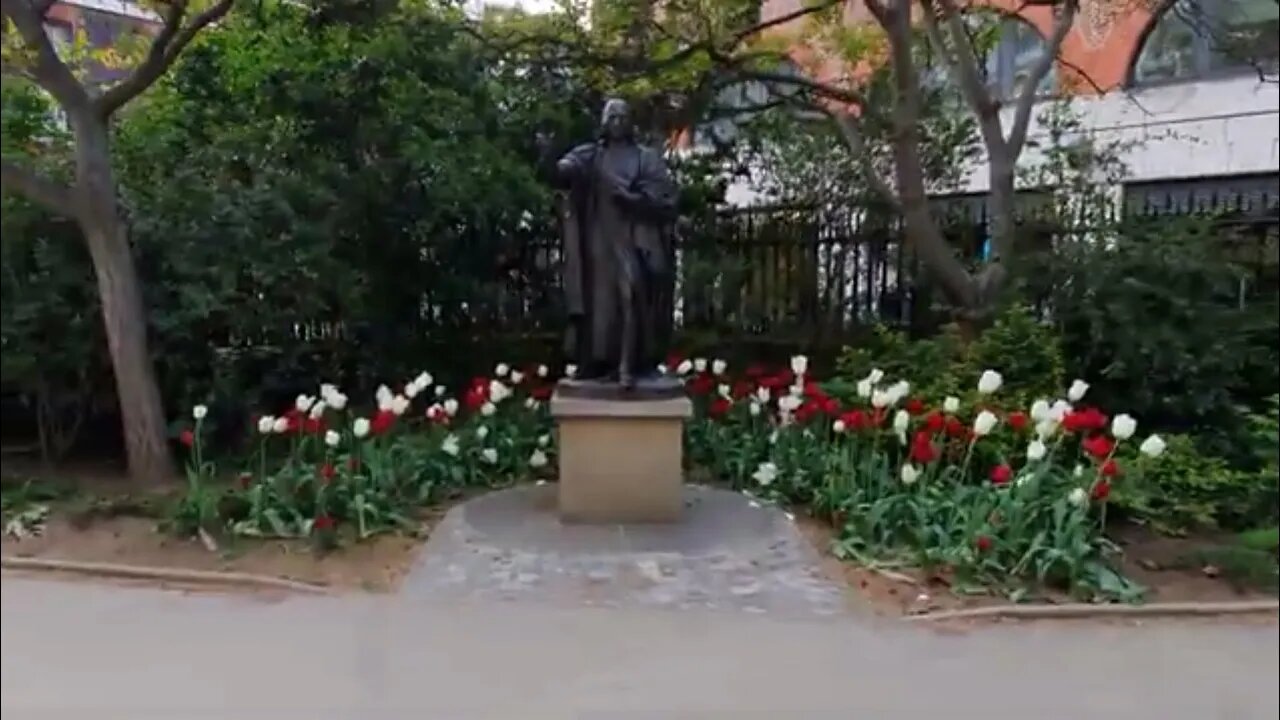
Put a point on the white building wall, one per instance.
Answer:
(1229, 126)
(1207, 128)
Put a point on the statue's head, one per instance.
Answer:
(615, 120)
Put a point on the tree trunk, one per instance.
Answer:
(123, 313)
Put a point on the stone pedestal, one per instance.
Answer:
(620, 458)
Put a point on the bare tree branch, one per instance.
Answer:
(853, 137)
(165, 48)
(51, 194)
(962, 61)
(1026, 101)
(47, 70)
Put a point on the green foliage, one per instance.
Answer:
(1023, 350)
(1155, 315)
(50, 327)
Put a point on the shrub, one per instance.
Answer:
(1164, 321)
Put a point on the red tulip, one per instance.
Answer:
(323, 523)
(1110, 469)
(719, 407)
(1001, 475)
(922, 450)
(915, 406)
(327, 473)
(1018, 421)
(934, 422)
(187, 438)
(983, 543)
(1099, 446)
(1101, 490)
(245, 480)
(382, 421)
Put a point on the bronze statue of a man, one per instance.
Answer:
(617, 218)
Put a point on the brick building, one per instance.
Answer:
(1207, 118)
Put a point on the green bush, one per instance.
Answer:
(1023, 350)
(1159, 317)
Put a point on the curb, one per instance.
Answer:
(163, 574)
(1086, 610)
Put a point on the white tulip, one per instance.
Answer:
(700, 365)
(450, 407)
(1078, 471)
(951, 405)
(570, 370)
(537, 459)
(482, 432)
(909, 474)
(875, 376)
(441, 390)
(1123, 426)
(360, 427)
(662, 369)
(984, 423)
(327, 390)
(1046, 428)
(1059, 410)
(411, 390)
(498, 392)
(797, 390)
(317, 410)
(1036, 450)
(280, 426)
(989, 382)
(789, 403)
(837, 427)
(725, 391)
(718, 366)
(1040, 410)
(773, 438)
(544, 440)
(1153, 446)
(1077, 390)
(901, 421)
(489, 455)
(684, 367)
(762, 394)
(488, 409)
(865, 388)
(531, 403)
(881, 399)
(304, 402)
(754, 409)
(450, 445)
(385, 397)
(332, 438)
(399, 404)
(1078, 497)
(501, 370)
(265, 424)
(542, 371)
(766, 473)
(898, 390)
(337, 401)
(799, 365)
(517, 377)
(199, 412)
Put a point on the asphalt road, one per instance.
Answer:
(80, 650)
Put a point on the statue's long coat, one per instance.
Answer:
(609, 250)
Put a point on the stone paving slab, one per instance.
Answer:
(728, 553)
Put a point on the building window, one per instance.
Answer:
(1195, 38)
(61, 35)
(1241, 195)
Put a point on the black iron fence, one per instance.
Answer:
(811, 276)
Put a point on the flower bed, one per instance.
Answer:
(993, 495)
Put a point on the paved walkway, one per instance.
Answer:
(729, 552)
(79, 650)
